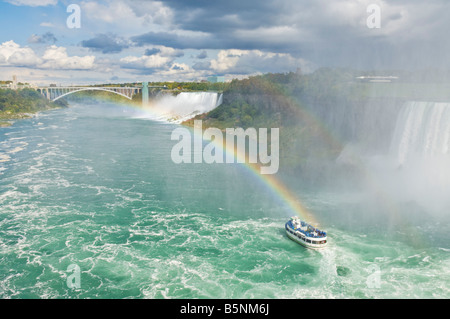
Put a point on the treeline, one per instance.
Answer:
(191, 86)
(24, 101)
(286, 99)
(182, 86)
(282, 99)
(317, 113)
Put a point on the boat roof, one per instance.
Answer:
(320, 233)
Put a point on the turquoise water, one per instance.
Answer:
(94, 186)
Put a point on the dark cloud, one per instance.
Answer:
(174, 40)
(329, 33)
(173, 54)
(205, 41)
(47, 37)
(224, 16)
(202, 66)
(166, 52)
(272, 26)
(202, 55)
(323, 32)
(176, 67)
(106, 43)
(152, 51)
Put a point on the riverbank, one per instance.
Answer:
(317, 114)
(23, 104)
(7, 118)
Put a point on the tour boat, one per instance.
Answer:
(305, 234)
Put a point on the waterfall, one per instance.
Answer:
(219, 99)
(415, 167)
(420, 156)
(422, 132)
(184, 105)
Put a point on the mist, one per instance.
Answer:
(181, 107)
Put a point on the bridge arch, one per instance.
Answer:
(93, 89)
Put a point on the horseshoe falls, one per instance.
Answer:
(422, 132)
(420, 151)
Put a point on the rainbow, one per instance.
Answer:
(272, 183)
(292, 201)
(277, 187)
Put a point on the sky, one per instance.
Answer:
(180, 40)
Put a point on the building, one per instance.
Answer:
(216, 79)
(14, 83)
(374, 78)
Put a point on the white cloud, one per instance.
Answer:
(152, 12)
(145, 62)
(169, 52)
(12, 54)
(273, 35)
(24, 57)
(47, 24)
(180, 72)
(235, 61)
(33, 3)
(114, 12)
(126, 16)
(162, 58)
(57, 58)
(161, 66)
(227, 59)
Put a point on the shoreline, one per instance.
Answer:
(8, 119)
(23, 104)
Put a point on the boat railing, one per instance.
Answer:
(320, 234)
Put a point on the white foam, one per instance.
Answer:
(16, 150)
(182, 107)
(4, 158)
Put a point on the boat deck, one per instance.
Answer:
(307, 230)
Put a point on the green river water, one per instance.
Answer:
(94, 186)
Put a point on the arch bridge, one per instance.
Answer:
(54, 93)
